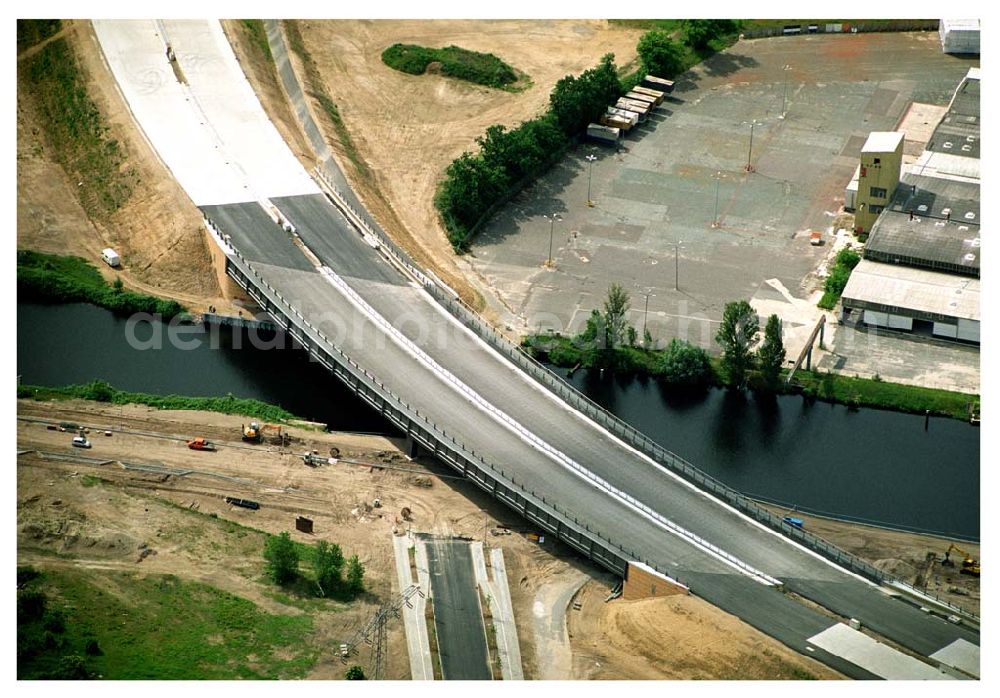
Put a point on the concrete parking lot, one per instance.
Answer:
(657, 196)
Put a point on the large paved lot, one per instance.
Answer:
(661, 187)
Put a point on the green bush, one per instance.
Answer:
(34, 31)
(685, 365)
(836, 282)
(472, 66)
(282, 558)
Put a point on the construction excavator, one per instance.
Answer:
(254, 433)
(970, 565)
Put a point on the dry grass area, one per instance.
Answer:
(158, 231)
(409, 128)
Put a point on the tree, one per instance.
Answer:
(329, 566)
(355, 673)
(615, 310)
(700, 32)
(771, 355)
(736, 336)
(355, 575)
(282, 558)
(684, 365)
(660, 55)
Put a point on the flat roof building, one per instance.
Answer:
(921, 263)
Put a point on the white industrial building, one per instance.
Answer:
(921, 265)
(959, 35)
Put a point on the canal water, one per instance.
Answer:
(867, 465)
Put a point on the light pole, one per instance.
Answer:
(645, 312)
(784, 92)
(715, 218)
(590, 177)
(552, 224)
(677, 265)
(749, 165)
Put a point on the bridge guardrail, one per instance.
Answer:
(535, 508)
(661, 456)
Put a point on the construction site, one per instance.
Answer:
(153, 494)
(457, 586)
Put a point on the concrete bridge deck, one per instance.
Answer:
(344, 290)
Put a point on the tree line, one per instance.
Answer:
(610, 342)
(476, 184)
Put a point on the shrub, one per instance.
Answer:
(685, 365)
(282, 558)
(660, 55)
(472, 66)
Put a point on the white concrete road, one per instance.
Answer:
(414, 620)
(843, 641)
(498, 593)
(224, 150)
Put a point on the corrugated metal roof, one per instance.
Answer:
(936, 243)
(914, 289)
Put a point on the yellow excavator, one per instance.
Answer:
(254, 433)
(970, 565)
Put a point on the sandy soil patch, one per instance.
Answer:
(409, 128)
(158, 232)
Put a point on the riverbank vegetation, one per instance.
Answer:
(101, 391)
(456, 62)
(58, 279)
(72, 124)
(607, 344)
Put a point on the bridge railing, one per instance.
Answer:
(565, 525)
(661, 456)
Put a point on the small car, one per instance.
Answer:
(81, 442)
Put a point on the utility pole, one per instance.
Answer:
(645, 312)
(749, 166)
(590, 177)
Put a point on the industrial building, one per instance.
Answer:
(921, 263)
(959, 35)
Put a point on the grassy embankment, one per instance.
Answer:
(101, 391)
(116, 625)
(58, 279)
(317, 89)
(72, 126)
(463, 64)
(830, 387)
(35, 31)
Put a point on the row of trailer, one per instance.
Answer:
(630, 110)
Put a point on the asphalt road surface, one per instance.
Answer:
(458, 617)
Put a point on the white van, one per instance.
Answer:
(111, 257)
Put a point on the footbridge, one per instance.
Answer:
(299, 243)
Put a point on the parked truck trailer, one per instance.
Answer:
(607, 135)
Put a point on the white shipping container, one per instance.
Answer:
(900, 322)
(943, 329)
(604, 134)
(873, 317)
(968, 330)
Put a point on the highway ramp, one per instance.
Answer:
(393, 329)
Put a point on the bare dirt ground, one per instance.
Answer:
(675, 637)
(904, 555)
(158, 232)
(63, 522)
(409, 128)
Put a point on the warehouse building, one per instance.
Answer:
(959, 35)
(921, 265)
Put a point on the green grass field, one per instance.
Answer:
(160, 627)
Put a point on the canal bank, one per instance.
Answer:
(864, 465)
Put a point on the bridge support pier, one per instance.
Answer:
(412, 447)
